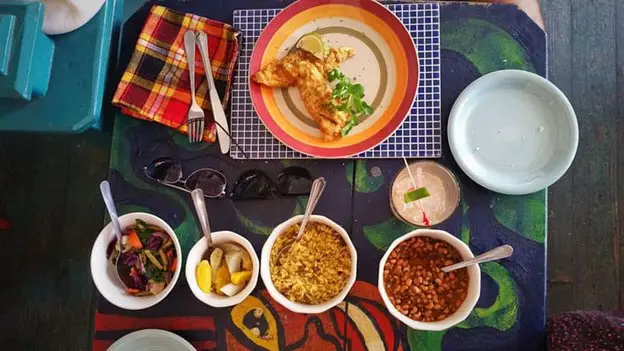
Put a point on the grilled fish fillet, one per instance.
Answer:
(273, 74)
(316, 95)
(308, 74)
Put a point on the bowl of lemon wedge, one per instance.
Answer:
(225, 273)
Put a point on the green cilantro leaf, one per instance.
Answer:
(347, 97)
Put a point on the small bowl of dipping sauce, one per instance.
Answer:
(443, 189)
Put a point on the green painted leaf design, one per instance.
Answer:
(181, 139)
(365, 182)
(187, 232)
(524, 215)
(425, 340)
(260, 229)
(381, 235)
(464, 233)
(502, 314)
(487, 46)
(129, 208)
(302, 202)
(251, 226)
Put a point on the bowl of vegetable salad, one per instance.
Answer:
(149, 252)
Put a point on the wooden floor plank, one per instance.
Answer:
(84, 218)
(594, 194)
(34, 191)
(45, 189)
(558, 17)
(619, 239)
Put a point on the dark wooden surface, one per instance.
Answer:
(586, 231)
(48, 190)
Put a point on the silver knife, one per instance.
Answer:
(215, 101)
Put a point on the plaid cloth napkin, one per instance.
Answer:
(155, 85)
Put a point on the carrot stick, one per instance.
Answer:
(174, 264)
(134, 241)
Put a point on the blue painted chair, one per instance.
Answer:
(66, 96)
(25, 52)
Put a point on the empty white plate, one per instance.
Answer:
(151, 340)
(63, 16)
(513, 132)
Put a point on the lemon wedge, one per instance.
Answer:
(241, 277)
(204, 276)
(314, 44)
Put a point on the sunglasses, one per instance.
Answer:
(252, 184)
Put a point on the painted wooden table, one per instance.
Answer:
(511, 311)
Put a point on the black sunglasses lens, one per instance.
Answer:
(253, 184)
(164, 169)
(211, 182)
(294, 181)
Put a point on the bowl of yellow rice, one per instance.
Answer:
(316, 273)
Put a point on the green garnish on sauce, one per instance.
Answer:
(347, 97)
(415, 195)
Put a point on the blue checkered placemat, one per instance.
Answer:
(418, 137)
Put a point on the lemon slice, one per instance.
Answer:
(314, 44)
(241, 277)
(204, 276)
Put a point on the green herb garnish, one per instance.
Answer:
(152, 272)
(347, 97)
(415, 195)
(142, 231)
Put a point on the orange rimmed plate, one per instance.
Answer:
(386, 63)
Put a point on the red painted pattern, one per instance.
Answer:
(103, 345)
(364, 294)
(384, 323)
(109, 322)
(340, 316)
(204, 345)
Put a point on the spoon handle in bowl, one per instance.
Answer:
(202, 214)
(492, 255)
(107, 196)
(315, 194)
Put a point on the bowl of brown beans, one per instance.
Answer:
(414, 288)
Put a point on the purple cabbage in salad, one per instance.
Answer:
(149, 255)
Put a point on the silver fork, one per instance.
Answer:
(195, 118)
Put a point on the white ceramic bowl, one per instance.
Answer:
(195, 256)
(474, 282)
(266, 274)
(513, 132)
(105, 277)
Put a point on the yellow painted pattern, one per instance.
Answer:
(372, 339)
(250, 304)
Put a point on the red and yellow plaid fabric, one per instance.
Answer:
(155, 85)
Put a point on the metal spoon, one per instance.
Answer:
(492, 255)
(202, 214)
(121, 270)
(315, 194)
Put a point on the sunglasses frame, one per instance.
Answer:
(182, 180)
(224, 191)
